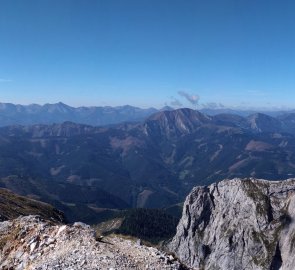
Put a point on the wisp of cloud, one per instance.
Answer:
(193, 99)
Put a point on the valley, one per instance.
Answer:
(129, 181)
(86, 171)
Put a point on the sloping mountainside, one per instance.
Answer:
(238, 224)
(33, 243)
(152, 225)
(150, 164)
(288, 119)
(12, 206)
(78, 202)
(11, 114)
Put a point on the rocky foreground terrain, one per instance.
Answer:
(32, 243)
(238, 224)
(231, 225)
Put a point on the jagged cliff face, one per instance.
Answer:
(238, 224)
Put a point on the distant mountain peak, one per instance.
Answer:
(177, 122)
(185, 113)
(264, 123)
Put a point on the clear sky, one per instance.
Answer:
(148, 52)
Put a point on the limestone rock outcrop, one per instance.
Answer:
(238, 224)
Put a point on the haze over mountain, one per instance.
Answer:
(154, 163)
(245, 112)
(15, 114)
(11, 114)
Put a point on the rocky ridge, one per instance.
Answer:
(32, 243)
(238, 224)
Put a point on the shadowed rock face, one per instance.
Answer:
(238, 224)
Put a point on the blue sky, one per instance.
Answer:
(147, 52)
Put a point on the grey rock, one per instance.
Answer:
(238, 224)
(33, 246)
(138, 242)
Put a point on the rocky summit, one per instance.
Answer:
(32, 243)
(238, 224)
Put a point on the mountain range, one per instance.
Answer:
(11, 114)
(15, 114)
(82, 169)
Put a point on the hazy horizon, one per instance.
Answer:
(198, 107)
